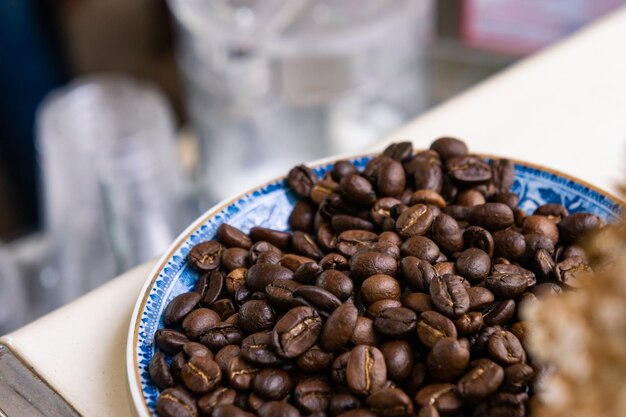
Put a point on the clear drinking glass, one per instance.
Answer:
(271, 83)
(113, 188)
(12, 294)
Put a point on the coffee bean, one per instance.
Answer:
(444, 397)
(256, 316)
(258, 349)
(342, 222)
(477, 237)
(468, 170)
(433, 326)
(206, 256)
(426, 170)
(375, 309)
(334, 261)
(199, 321)
(364, 333)
(390, 402)
(342, 403)
(491, 216)
(417, 273)
(180, 306)
(517, 377)
(260, 276)
(234, 258)
(339, 327)
(381, 209)
(296, 331)
(575, 225)
(201, 374)
(421, 247)
(304, 244)
(515, 269)
(224, 307)
(449, 295)
(447, 359)
(159, 372)
(225, 355)
(473, 264)
(335, 282)
(219, 396)
(398, 359)
(428, 411)
(277, 239)
(313, 394)
(176, 402)
(338, 368)
(498, 313)
(447, 233)
(280, 293)
(301, 180)
(380, 287)
(427, 197)
(240, 373)
(505, 348)
(231, 237)
(342, 169)
(509, 244)
(469, 323)
(229, 410)
(396, 322)
(506, 285)
(272, 384)
(400, 151)
(170, 341)
(357, 190)
(418, 302)
(572, 272)
(302, 216)
(235, 279)
(278, 409)
(391, 179)
(366, 371)
(483, 379)
(350, 241)
(449, 148)
(479, 297)
(508, 198)
(315, 360)
(324, 302)
(414, 221)
(366, 264)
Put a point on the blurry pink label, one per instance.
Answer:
(524, 26)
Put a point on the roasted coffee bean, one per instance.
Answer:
(199, 321)
(235, 280)
(381, 209)
(323, 190)
(400, 151)
(417, 273)
(479, 297)
(261, 249)
(313, 394)
(449, 148)
(498, 313)
(447, 233)
(575, 225)
(509, 244)
(304, 244)
(272, 384)
(160, 372)
(491, 216)
(280, 293)
(302, 216)
(414, 221)
(201, 374)
(334, 261)
(469, 198)
(240, 373)
(176, 402)
(225, 355)
(366, 371)
(315, 360)
(366, 264)
(296, 331)
(418, 302)
(395, 322)
(293, 262)
(473, 264)
(506, 285)
(574, 251)
(379, 306)
(335, 282)
(502, 174)
(426, 170)
(327, 238)
(310, 295)
(417, 377)
(398, 359)
(380, 287)
(178, 361)
(339, 327)
(535, 242)
(556, 212)
(421, 247)
(572, 272)
(468, 170)
(449, 295)
(170, 341)
(197, 349)
(508, 198)
(357, 190)
(260, 276)
(234, 258)
(514, 269)
(258, 349)
(433, 326)
(338, 368)
(277, 409)
(301, 180)
(503, 404)
(391, 179)
(427, 197)
(544, 264)
(541, 225)
(231, 237)
(546, 289)
(224, 307)
(505, 348)
(477, 237)
(350, 241)
(279, 240)
(483, 378)
(390, 402)
(428, 411)
(229, 410)
(364, 333)
(256, 316)
(342, 169)
(517, 377)
(307, 273)
(206, 256)
(343, 222)
(447, 359)
(219, 396)
(342, 403)
(469, 323)
(444, 397)
(220, 335)
(180, 306)
(210, 285)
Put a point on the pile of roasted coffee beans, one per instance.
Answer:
(396, 294)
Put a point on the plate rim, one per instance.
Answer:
(132, 368)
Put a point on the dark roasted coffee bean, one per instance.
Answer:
(427, 197)
(196, 349)
(335, 282)
(447, 359)
(400, 151)
(380, 287)
(343, 222)
(256, 316)
(491, 216)
(338, 368)
(234, 258)
(221, 335)
(231, 237)
(323, 190)
(224, 307)
(479, 297)
(505, 348)
(506, 285)
(366, 264)
(315, 360)
(426, 170)
(225, 355)
(178, 361)
(302, 216)
(483, 378)
(342, 169)
(469, 198)
(307, 273)
(418, 302)
(433, 326)
(320, 299)
(280, 240)
(421, 247)
(390, 402)
(449, 295)
(556, 212)
(277, 409)
(449, 148)
(396, 322)
(477, 237)
(502, 174)
(428, 411)
(509, 244)
(180, 306)
(240, 373)
(280, 293)
(293, 262)
(376, 308)
(258, 349)
(498, 313)
(313, 394)
(170, 341)
(575, 225)
(480, 341)
(301, 180)
(391, 179)
(339, 327)
(459, 213)
(508, 198)
(469, 323)
(417, 273)
(514, 269)
(272, 384)
(334, 261)
(473, 264)
(366, 371)
(444, 397)
(296, 331)
(572, 272)
(447, 233)
(350, 241)
(343, 402)
(229, 410)
(398, 359)
(235, 280)
(381, 209)
(517, 377)
(414, 221)
(201, 374)
(468, 170)
(546, 289)
(160, 372)
(364, 333)
(327, 238)
(541, 225)
(357, 190)
(444, 267)
(206, 256)
(503, 404)
(543, 264)
(304, 244)
(261, 248)
(260, 276)
(535, 242)
(176, 402)
(199, 321)
(574, 251)
(219, 396)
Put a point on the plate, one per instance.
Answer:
(270, 206)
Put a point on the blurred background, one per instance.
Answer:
(123, 120)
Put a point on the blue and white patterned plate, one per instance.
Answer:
(270, 206)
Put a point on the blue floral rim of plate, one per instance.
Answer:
(270, 206)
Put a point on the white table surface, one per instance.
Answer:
(564, 108)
